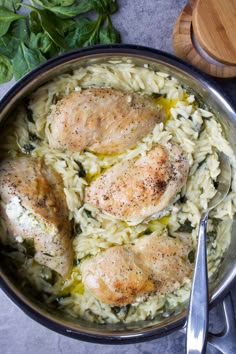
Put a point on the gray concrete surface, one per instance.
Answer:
(141, 22)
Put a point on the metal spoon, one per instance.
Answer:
(197, 323)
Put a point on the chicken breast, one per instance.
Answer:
(152, 265)
(34, 207)
(135, 189)
(102, 120)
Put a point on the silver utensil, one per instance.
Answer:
(197, 322)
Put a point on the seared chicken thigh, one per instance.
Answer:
(34, 207)
(102, 120)
(152, 265)
(135, 189)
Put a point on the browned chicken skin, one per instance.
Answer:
(34, 207)
(102, 120)
(152, 265)
(135, 189)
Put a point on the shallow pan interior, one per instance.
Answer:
(119, 333)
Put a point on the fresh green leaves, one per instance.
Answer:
(108, 34)
(49, 28)
(5, 69)
(49, 24)
(84, 33)
(10, 42)
(87, 32)
(10, 4)
(57, 2)
(25, 60)
(102, 7)
(8, 46)
(6, 18)
(44, 43)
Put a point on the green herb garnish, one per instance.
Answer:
(49, 28)
(186, 227)
(81, 171)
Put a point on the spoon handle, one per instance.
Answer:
(197, 323)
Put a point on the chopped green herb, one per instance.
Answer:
(28, 111)
(202, 162)
(28, 148)
(29, 246)
(76, 262)
(81, 172)
(191, 256)
(121, 312)
(48, 254)
(33, 137)
(88, 213)
(156, 95)
(78, 229)
(186, 227)
(182, 199)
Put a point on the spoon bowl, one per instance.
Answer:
(197, 323)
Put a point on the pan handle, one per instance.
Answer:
(225, 341)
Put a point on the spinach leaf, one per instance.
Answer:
(5, 69)
(61, 10)
(191, 256)
(6, 18)
(10, 4)
(57, 2)
(66, 25)
(40, 41)
(28, 148)
(25, 60)
(102, 7)
(81, 171)
(9, 45)
(44, 43)
(48, 29)
(84, 33)
(65, 11)
(50, 24)
(10, 41)
(186, 227)
(109, 34)
(34, 22)
(19, 30)
(121, 312)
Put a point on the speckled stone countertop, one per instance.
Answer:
(146, 23)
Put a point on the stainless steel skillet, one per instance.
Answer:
(146, 330)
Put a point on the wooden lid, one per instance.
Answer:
(214, 26)
(184, 46)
